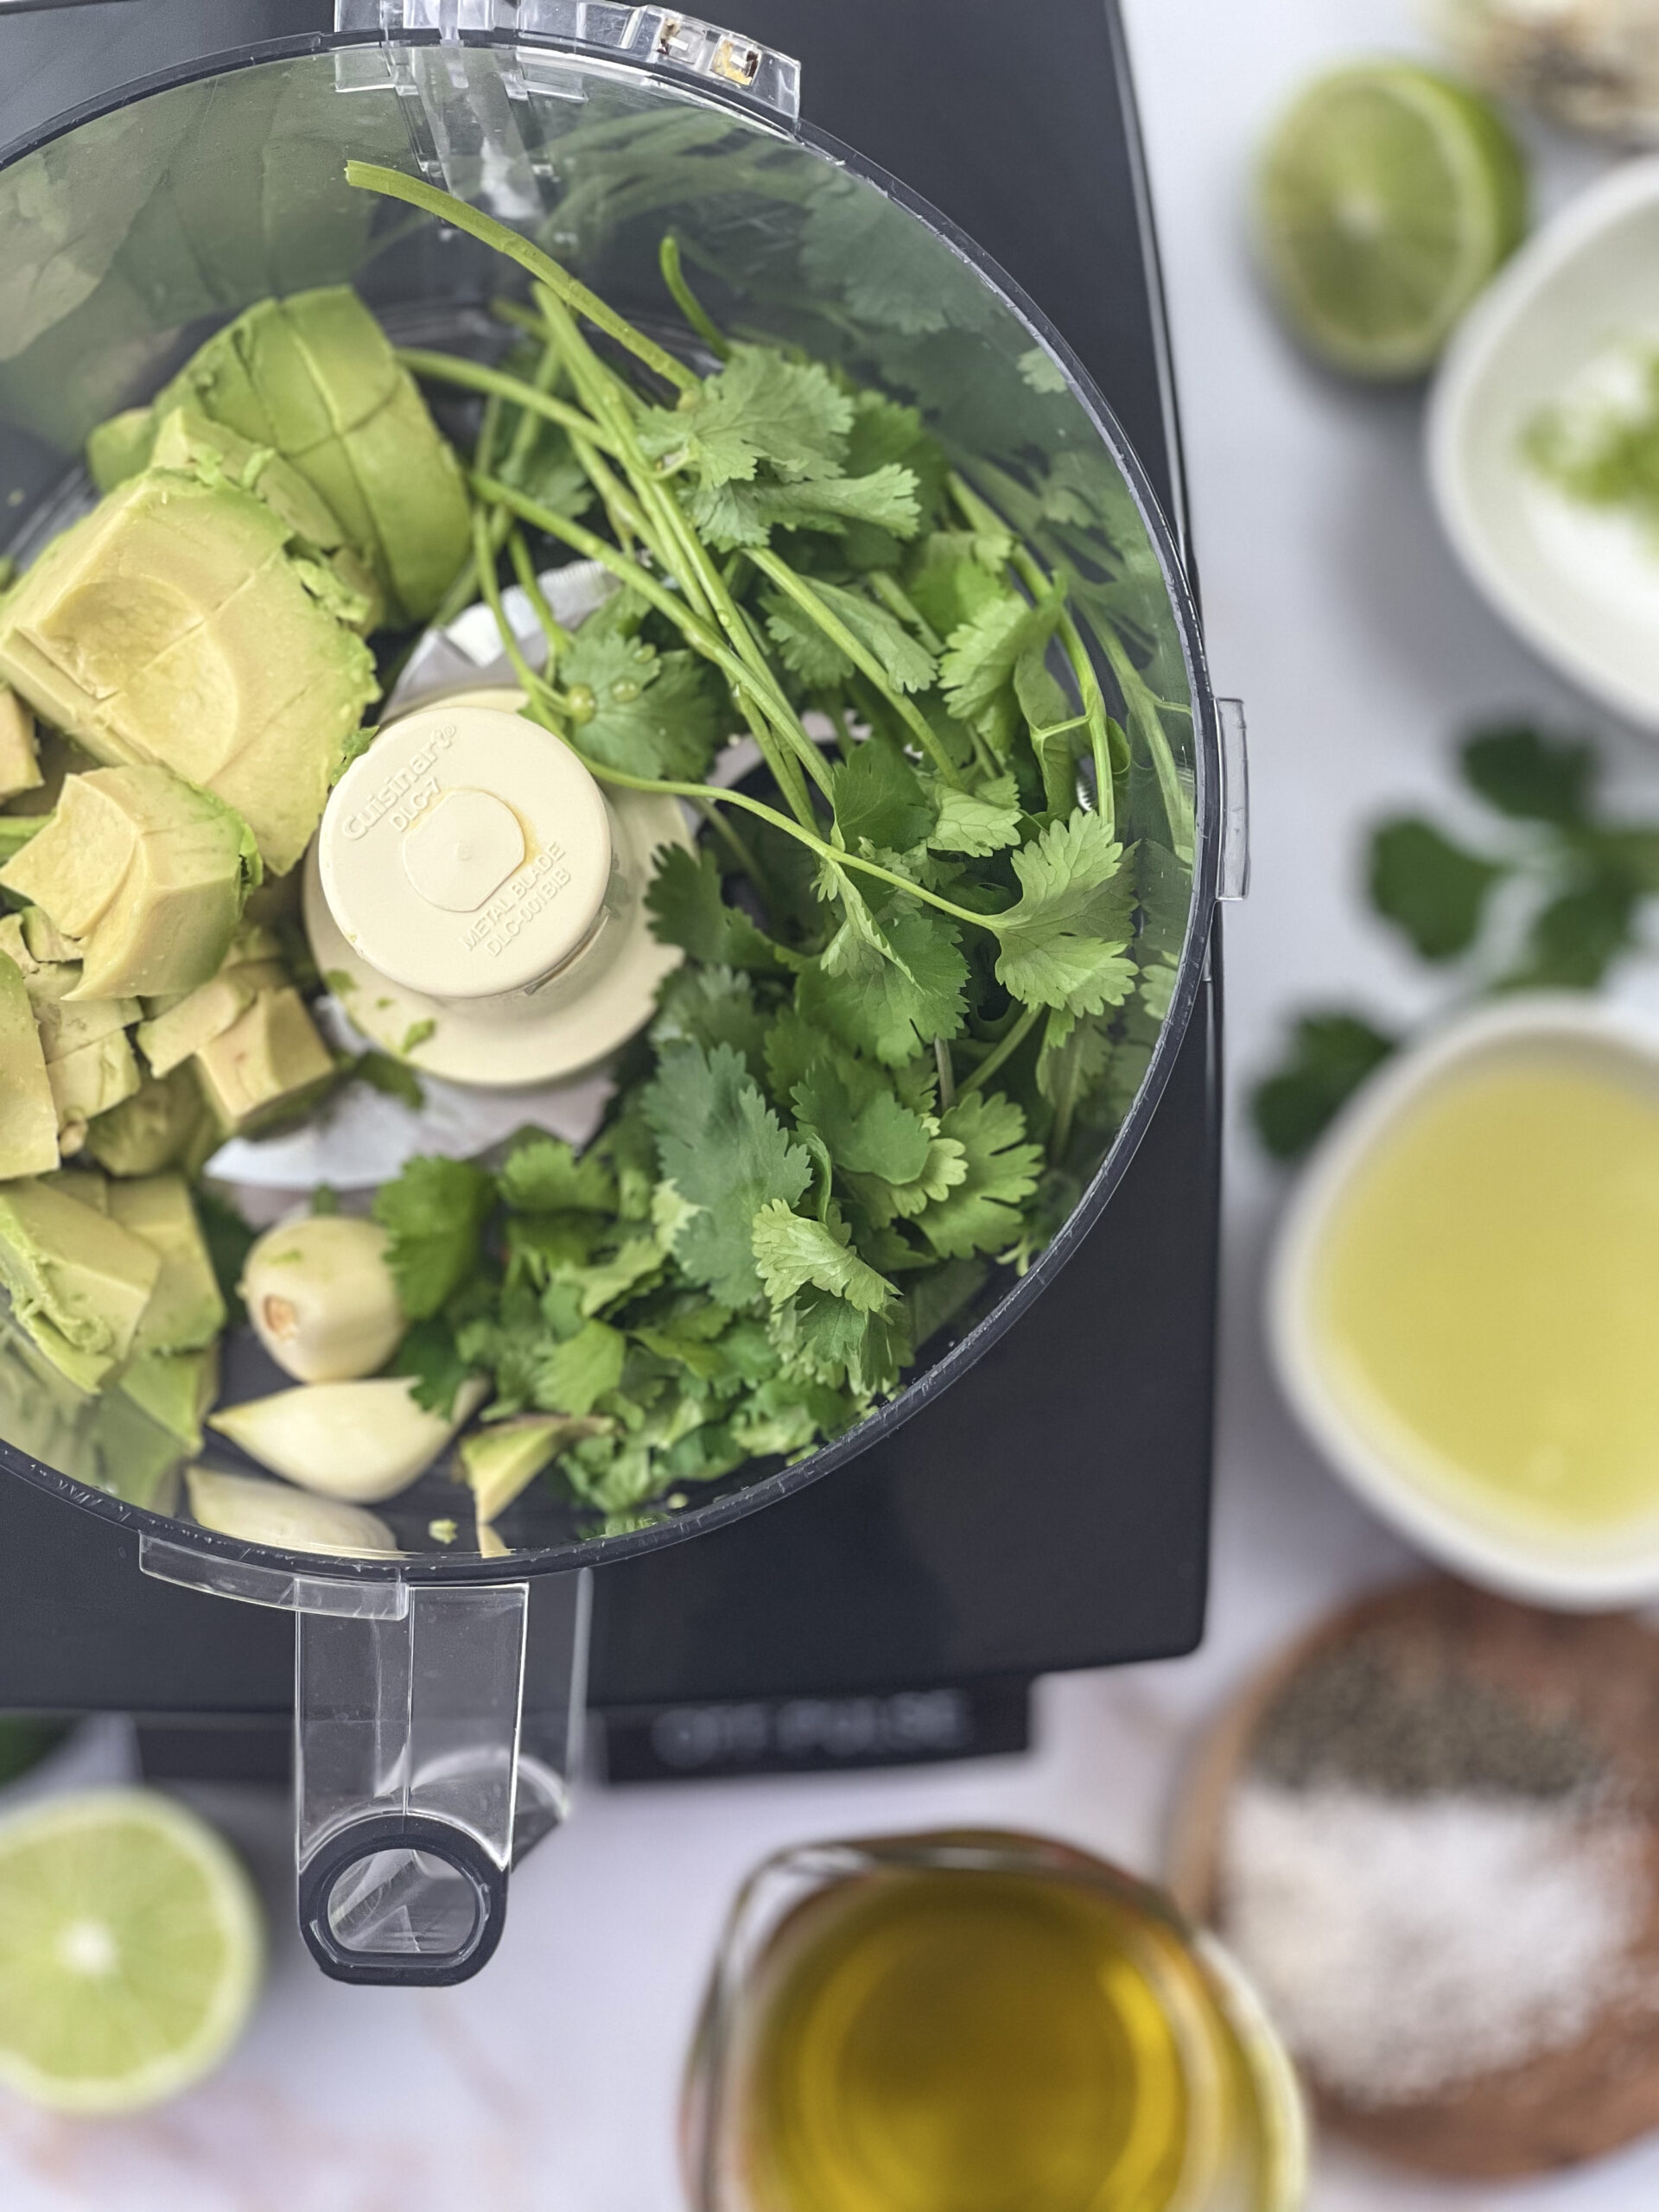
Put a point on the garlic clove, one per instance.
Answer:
(261, 1512)
(501, 1460)
(361, 1441)
(321, 1298)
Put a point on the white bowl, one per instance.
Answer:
(1587, 1574)
(1580, 587)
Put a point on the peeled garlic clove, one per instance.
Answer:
(258, 1512)
(363, 1441)
(321, 1297)
(500, 1461)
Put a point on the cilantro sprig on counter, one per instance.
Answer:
(923, 968)
(1550, 908)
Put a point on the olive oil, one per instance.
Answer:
(1486, 1292)
(946, 2040)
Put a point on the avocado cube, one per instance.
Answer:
(265, 1065)
(19, 761)
(79, 1281)
(185, 1310)
(88, 1082)
(164, 1123)
(175, 1388)
(67, 1022)
(171, 627)
(144, 873)
(29, 1113)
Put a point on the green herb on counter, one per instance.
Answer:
(1601, 448)
(1577, 879)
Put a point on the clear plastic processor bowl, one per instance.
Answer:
(127, 233)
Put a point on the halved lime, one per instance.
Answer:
(131, 1944)
(1388, 197)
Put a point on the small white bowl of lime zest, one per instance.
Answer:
(1579, 583)
(1505, 1549)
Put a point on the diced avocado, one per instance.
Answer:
(165, 1124)
(14, 945)
(29, 1113)
(86, 1185)
(15, 830)
(185, 1310)
(20, 762)
(265, 1065)
(145, 871)
(130, 1453)
(186, 440)
(121, 446)
(502, 1460)
(206, 1013)
(41, 1411)
(88, 1082)
(67, 1022)
(79, 1281)
(175, 1388)
(44, 943)
(170, 626)
(314, 377)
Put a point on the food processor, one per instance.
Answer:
(438, 1689)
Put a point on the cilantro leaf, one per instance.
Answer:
(980, 657)
(1330, 1056)
(1530, 777)
(725, 1153)
(759, 408)
(654, 714)
(885, 431)
(823, 1338)
(885, 1199)
(790, 1252)
(430, 1354)
(1063, 943)
(732, 515)
(1075, 1051)
(1429, 887)
(1576, 937)
(576, 1374)
(981, 1214)
(802, 646)
(888, 1004)
(853, 249)
(868, 1131)
(907, 665)
(880, 799)
(713, 1006)
(434, 1214)
(977, 822)
(957, 577)
(541, 1175)
(687, 908)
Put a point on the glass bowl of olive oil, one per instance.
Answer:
(980, 2022)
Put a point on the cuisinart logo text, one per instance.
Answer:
(405, 795)
(908, 1724)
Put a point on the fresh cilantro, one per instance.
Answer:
(881, 801)
(956, 577)
(576, 1374)
(726, 1154)
(734, 515)
(981, 1213)
(892, 1004)
(1530, 777)
(977, 822)
(434, 1215)
(1330, 1056)
(867, 1132)
(1065, 944)
(429, 1354)
(1576, 937)
(649, 714)
(1429, 887)
(981, 658)
(790, 416)
(791, 1252)
(541, 1175)
(684, 899)
(713, 1006)
(393, 1078)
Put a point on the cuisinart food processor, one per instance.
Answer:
(1035, 1496)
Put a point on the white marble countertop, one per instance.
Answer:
(1335, 611)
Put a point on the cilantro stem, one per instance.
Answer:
(558, 637)
(887, 587)
(741, 852)
(371, 176)
(863, 659)
(1003, 1051)
(947, 1073)
(715, 795)
(668, 258)
(483, 558)
(474, 376)
(638, 578)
